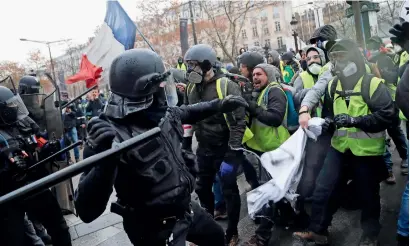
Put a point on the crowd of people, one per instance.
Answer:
(361, 95)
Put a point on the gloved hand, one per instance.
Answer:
(225, 169)
(230, 103)
(328, 125)
(252, 107)
(345, 120)
(100, 133)
(400, 34)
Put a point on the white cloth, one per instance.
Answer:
(284, 166)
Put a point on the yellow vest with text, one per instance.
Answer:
(221, 90)
(181, 67)
(267, 138)
(359, 142)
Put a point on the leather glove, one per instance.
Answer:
(100, 133)
(328, 125)
(345, 120)
(231, 102)
(400, 34)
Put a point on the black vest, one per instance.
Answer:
(152, 177)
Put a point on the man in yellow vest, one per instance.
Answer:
(181, 65)
(362, 109)
(219, 137)
(314, 159)
(268, 111)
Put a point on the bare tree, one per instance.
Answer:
(13, 69)
(344, 26)
(36, 60)
(227, 20)
(388, 15)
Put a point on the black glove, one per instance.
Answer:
(230, 103)
(328, 125)
(100, 133)
(345, 120)
(400, 34)
(252, 107)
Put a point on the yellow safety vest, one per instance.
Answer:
(221, 90)
(267, 138)
(359, 142)
(181, 67)
(309, 82)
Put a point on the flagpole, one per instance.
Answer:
(143, 37)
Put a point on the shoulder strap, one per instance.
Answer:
(222, 87)
(333, 86)
(367, 78)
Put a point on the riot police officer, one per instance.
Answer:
(16, 144)
(152, 181)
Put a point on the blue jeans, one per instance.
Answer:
(219, 198)
(73, 137)
(387, 159)
(403, 222)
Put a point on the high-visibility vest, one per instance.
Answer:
(267, 138)
(308, 83)
(361, 143)
(181, 66)
(221, 90)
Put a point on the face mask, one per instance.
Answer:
(315, 68)
(194, 77)
(347, 68)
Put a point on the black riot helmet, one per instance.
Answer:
(202, 53)
(29, 85)
(250, 59)
(137, 82)
(12, 107)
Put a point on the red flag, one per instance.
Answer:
(88, 72)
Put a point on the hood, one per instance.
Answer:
(354, 53)
(326, 32)
(321, 54)
(276, 57)
(270, 71)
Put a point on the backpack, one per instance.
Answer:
(292, 115)
(365, 88)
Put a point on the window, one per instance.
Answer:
(244, 34)
(280, 42)
(266, 30)
(277, 26)
(255, 31)
(256, 43)
(276, 12)
(267, 43)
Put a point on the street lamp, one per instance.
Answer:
(293, 23)
(49, 50)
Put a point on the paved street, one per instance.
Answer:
(107, 230)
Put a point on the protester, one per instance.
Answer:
(94, 104)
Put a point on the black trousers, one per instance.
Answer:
(209, 163)
(197, 227)
(366, 172)
(42, 207)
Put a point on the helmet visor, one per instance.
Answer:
(13, 110)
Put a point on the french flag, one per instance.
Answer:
(116, 35)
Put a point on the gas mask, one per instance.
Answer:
(180, 61)
(345, 68)
(315, 68)
(195, 74)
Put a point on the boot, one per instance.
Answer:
(369, 241)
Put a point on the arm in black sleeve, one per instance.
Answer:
(276, 109)
(94, 189)
(191, 114)
(402, 93)
(383, 111)
(236, 118)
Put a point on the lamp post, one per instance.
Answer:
(293, 23)
(49, 50)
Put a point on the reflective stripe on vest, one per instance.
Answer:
(222, 90)
(359, 142)
(267, 138)
(181, 67)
